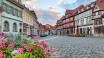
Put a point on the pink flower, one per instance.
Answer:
(1, 46)
(3, 34)
(32, 37)
(1, 54)
(25, 46)
(1, 39)
(42, 42)
(19, 50)
(43, 49)
(28, 48)
(11, 44)
(4, 47)
(4, 41)
(44, 45)
(35, 45)
(50, 51)
(44, 54)
(37, 42)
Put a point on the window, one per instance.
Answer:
(82, 10)
(96, 7)
(99, 13)
(19, 1)
(92, 5)
(4, 7)
(78, 11)
(96, 13)
(6, 26)
(0, 2)
(18, 13)
(15, 12)
(101, 1)
(87, 7)
(14, 27)
(10, 9)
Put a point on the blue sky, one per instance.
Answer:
(49, 11)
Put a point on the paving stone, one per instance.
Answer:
(77, 47)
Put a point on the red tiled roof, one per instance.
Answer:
(69, 11)
(16, 3)
(100, 4)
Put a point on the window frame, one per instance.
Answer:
(6, 26)
(14, 27)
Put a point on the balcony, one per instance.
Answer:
(98, 16)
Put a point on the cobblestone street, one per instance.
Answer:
(75, 47)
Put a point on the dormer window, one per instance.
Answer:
(96, 7)
(101, 1)
(92, 5)
(87, 7)
(82, 10)
(78, 11)
(97, 13)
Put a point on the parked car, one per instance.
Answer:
(44, 34)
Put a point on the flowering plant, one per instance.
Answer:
(5, 46)
(28, 48)
(33, 50)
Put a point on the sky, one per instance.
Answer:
(49, 11)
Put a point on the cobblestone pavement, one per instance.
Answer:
(76, 47)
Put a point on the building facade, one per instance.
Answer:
(59, 27)
(35, 24)
(11, 17)
(98, 18)
(36, 28)
(16, 18)
(83, 20)
(69, 22)
(88, 20)
(28, 21)
(41, 29)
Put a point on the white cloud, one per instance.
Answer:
(51, 8)
(59, 2)
(49, 16)
(36, 8)
(66, 2)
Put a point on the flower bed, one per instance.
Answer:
(28, 49)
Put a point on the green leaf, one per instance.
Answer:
(6, 37)
(19, 37)
(25, 39)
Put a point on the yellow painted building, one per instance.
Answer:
(28, 19)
